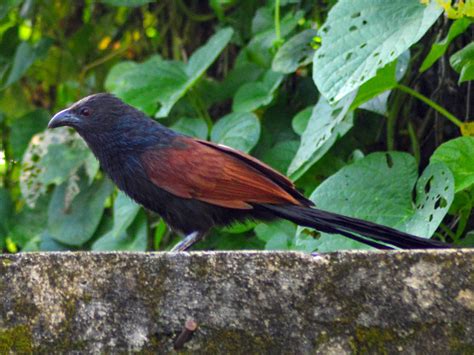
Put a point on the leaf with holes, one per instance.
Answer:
(378, 188)
(326, 124)
(434, 195)
(458, 155)
(373, 95)
(362, 36)
(237, 130)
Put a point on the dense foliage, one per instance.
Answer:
(364, 104)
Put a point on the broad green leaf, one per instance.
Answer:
(326, 124)
(147, 84)
(373, 95)
(194, 127)
(23, 128)
(47, 243)
(439, 48)
(434, 196)
(160, 81)
(301, 119)
(378, 188)
(134, 239)
(25, 55)
(259, 49)
(253, 95)
(125, 211)
(29, 222)
(128, 3)
(280, 155)
(60, 162)
(359, 37)
(76, 224)
(463, 62)
(237, 130)
(277, 235)
(241, 74)
(296, 52)
(383, 81)
(458, 155)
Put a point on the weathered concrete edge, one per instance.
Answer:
(184, 263)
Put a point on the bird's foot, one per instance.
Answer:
(188, 241)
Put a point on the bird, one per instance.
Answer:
(196, 185)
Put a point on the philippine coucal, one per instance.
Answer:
(195, 185)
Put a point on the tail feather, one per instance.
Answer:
(370, 233)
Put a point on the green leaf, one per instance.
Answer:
(458, 155)
(259, 48)
(295, 53)
(277, 235)
(301, 119)
(280, 155)
(76, 224)
(60, 162)
(134, 239)
(29, 222)
(160, 81)
(125, 210)
(237, 130)
(373, 94)
(359, 37)
(237, 228)
(23, 128)
(434, 196)
(128, 3)
(194, 127)
(463, 62)
(383, 81)
(326, 124)
(25, 55)
(253, 95)
(439, 48)
(144, 85)
(378, 188)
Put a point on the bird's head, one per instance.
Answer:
(94, 112)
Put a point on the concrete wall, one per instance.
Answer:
(247, 302)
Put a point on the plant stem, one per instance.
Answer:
(391, 121)
(277, 21)
(431, 103)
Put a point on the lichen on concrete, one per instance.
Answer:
(243, 302)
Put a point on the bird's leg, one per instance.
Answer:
(188, 241)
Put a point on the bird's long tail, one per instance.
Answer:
(376, 235)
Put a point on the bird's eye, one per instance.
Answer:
(85, 111)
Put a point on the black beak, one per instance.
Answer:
(64, 118)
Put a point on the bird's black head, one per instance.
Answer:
(93, 113)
